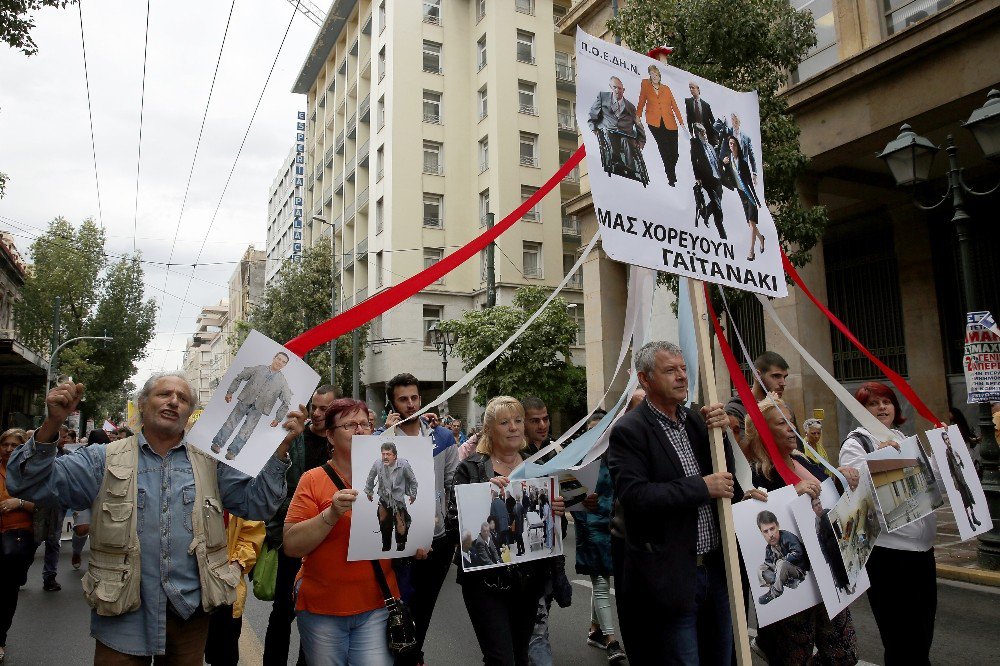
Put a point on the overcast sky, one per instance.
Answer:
(45, 138)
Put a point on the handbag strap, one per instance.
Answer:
(376, 566)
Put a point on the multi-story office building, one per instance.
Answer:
(206, 352)
(22, 370)
(284, 239)
(888, 270)
(423, 117)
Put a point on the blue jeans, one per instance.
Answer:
(539, 647)
(52, 545)
(705, 635)
(333, 640)
(241, 411)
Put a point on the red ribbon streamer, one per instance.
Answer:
(749, 401)
(362, 313)
(901, 384)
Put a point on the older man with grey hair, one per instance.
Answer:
(673, 602)
(159, 561)
(397, 482)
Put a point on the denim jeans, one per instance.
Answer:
(333, 640)
(705, 635)
(240, 411)
(52, 546)
(601, 613)
(539, 647)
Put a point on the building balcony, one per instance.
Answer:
(567, 124)
(322, 101)
(352, 127)
(573, 177)
(363, 153)
(310, 181)
(319, 172)
(338, 183)
(571, 227)
(328, 196)
(349, 212)
(364, 113)
(363, 200)
(328, 157)
(576, 280)
(339, 144)
(366, 27)
(349, 260)
(349, 171)
(363, 249)
(565, 77)
(360, 294)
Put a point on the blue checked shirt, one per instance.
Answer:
(165, 499)
(708, 532)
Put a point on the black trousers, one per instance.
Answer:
(903, 597)
(222, 648)
(427, 577)
(13, 574)
(279, 624)
(503, 621)
(666, 141)
(387, 524)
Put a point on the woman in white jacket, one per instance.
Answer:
(903, 592)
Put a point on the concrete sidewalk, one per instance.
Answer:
(956, 559)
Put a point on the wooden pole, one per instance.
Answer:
(726, 524)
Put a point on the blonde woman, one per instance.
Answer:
(502, 602)
(663, 117)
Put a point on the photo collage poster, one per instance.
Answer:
(903, 482)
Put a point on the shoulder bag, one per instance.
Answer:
(400, 630)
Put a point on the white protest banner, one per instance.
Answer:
(669, 198)
(242, 424)
(958, 474)
(982, 358)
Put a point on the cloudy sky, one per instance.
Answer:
(45, 143)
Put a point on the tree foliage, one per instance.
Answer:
(96, 299)
(745, 45)
(17, 20)
(297, 300)
(538, 363)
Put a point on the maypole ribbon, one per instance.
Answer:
(897, 381)
(362, 313)
(749, 401)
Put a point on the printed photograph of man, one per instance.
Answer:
(263, 387)
(663, 118)
(708, 174)
(484, 551)
(397, 488)
(955, 468)
(785, 562)
(831, 551)
(620, 134)
(697, 110)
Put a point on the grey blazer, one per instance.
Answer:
(263, 389)
(602, 115)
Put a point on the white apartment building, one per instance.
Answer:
(424, 116)
(284, 240)
(207, 351)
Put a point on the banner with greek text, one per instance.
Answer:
(676, 169)
(982, 358)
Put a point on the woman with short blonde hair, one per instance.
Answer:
(497, 410)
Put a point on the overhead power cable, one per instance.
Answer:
(142, 109)
(90, 115)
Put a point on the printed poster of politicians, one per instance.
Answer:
(982, 358)
(242, 424)
(675, 169)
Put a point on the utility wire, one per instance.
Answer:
(90, 115)
(142, 109)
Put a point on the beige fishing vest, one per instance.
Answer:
(111, 583)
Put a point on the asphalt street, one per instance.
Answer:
(53, 627)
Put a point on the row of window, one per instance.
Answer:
(434, 314)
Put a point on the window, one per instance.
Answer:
(578, 314)
(432, 107)
(526, 97)
(433, 163)
(379, 163)
(899, 14)
(380, 113)
(526, 193)
(481, 53)
(381, 16)
(432, 11)
(526, 47)
(432, 57)
(564, 68)
(558, 13)
(381, 64)
(524, 6)
(568, 260)
(532, 258)
(378, 270)
(825, 54)
(480, 10)
(484, 207)
(484, 154)
(433, 210)
(482, 102)
(432, 316)
(483, 265)
(574, 175)
(529, 149)
(379, 216)
(433, 255)
(564, 115)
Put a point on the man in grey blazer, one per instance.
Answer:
(265, 387)
(611, 111)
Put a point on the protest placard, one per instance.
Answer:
(982, 358)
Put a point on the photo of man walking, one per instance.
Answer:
(397, 486)
(263, 387)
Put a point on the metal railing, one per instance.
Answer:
(565, 73)
(363, 153)
(532, 216)
(529, 161)
(339, 143)
(434, 222)
(528, 109)
(571, 226)
(349, 212)
(352, 127)
(365, 109)
(362, 250)
(432, 118)
(433, 168)
(363, 200)
(567, 123)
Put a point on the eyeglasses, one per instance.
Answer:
(353, 426)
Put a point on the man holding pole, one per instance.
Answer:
(673, 601)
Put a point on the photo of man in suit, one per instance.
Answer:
(708, 176)
(397, 483)
(785, 562)
(614, 118)
(483, 551)
(831, 550)
(697, 110)
(263, 387)
(670, 578)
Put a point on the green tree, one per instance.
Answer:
(297, 300)
(96, 299)
(17, 21)
(539, 362)
(745, 45)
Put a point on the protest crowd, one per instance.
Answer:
(174, 533)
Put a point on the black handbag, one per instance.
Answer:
(400, 630)
(18, 543)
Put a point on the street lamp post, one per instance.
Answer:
(333, 299)
(444, 341)
(53, 362)
(909, 157)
